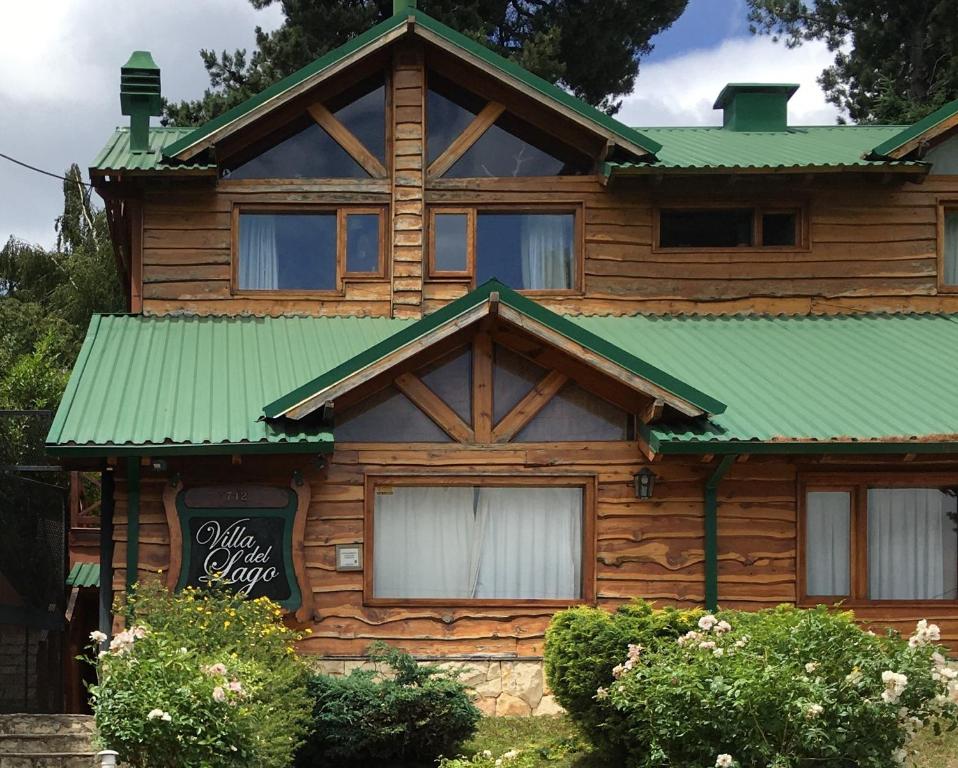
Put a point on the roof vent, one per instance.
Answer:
(401, 6)
(140, 97)
(755, 106)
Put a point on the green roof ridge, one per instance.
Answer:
(520, 303)
(915, 130)
(456, 38)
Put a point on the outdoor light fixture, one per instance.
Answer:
(644, 481)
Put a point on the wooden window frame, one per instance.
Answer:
(558, 480)
(758, 211)
(342, 277)
(576, 208)
(858, 485)
(945, 205)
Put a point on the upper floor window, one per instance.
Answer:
(531, 250)
(949, 248)
(344, 137)
(305, 249)
(729, 228)
(468, 137)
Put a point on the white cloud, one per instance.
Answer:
(681, 90)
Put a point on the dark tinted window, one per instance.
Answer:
(705, 227)
(287, 251)
(363, 112)
(778, 228)
(362, 242)
(447, 115)
(450, 233)
(526, 250)
(311, 153)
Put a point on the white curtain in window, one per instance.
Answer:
(951, 248)
(531, 543)
(478, 542)
(912, 544)
(259, 254)
(546, 252)
(827, 542)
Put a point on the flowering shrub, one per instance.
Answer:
(782, 687)
(404, 713)
(513, 758)
(201, 679)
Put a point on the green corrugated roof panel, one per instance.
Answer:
(84, 575)
(630, 361)
(834, 146)
(117, 155)
(198, 384)
(818, 378)
(912, 131)
(370, 36)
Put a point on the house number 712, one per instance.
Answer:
(235, 495)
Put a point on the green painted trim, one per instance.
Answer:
(323, 446)
(807, 448)
(133, 521)
(287, 514)
(505, 66)
(520, 303)
(914, 131)
(711, 531)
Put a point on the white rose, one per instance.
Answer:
(724, 761)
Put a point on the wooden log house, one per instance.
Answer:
(426, 349)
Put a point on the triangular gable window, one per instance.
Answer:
(575, 414)
(450, 378)
(309, 154)
(513, 377)
(501, 152)
(387, 417)
(447, 117)
(364, 115)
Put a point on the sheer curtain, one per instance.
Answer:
(912, 544)
(259, 254)
(478, 542)
(546, 251)
(827, 542)
(951, 248)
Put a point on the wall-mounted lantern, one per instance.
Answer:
(644, 481)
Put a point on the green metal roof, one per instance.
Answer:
(832, 146)
(629, 360)
(150, 385)
(903, 136)
(117, 155)
(84, 575)
(827, 381)
(816, 384)
(507, 68)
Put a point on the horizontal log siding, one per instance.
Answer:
(871, 245)
(652, 549)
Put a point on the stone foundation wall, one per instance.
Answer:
(502, 687)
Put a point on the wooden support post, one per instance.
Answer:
(133, 520)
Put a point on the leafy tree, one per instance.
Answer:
(591, 47)
(894, 59)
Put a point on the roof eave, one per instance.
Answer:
(799, 447)
(105, 450)
(611, 171)
(902, 144)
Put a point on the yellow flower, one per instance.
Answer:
(226, 625)
(308, 631)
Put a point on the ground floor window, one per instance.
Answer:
(866, 542)
(470, 540)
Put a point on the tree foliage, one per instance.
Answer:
(591, 47)
(894, 59)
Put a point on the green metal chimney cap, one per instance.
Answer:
(141, 60)
(140, 85)
(755, 106)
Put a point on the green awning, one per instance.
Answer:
(84, 575)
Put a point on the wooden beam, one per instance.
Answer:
(345, 138)
(529, 406)
(653, 411)
(434, 407)
(482, 387)
(480, 124)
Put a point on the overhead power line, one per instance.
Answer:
(45, 173)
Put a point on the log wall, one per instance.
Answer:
(652, 549)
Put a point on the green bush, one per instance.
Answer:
(781, 687)
(201, 679)
(404, 714)
(584, 644)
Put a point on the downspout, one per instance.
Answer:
(711, 531)
(107, 504)
(133, 520)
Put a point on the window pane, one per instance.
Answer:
(286, 251)
(827, 542)
(362, 242)
(705, 228)
(575, 414)
(445, 118)
(513, 377)
(450, 231)
(309, 154)
(500, 153)
(778, 229)
(387, 417)
(525, 250)
(365, 117)
(477, 542)
(450, 377)
(912, 544)
(950, 248)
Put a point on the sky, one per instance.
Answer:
(60, 61)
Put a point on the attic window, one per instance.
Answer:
(715, 227)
